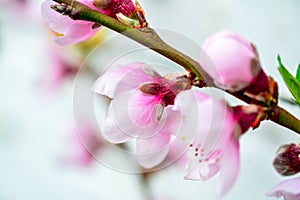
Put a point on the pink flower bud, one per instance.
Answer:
(230, 60)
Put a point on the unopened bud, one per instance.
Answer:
(287, 161)
(231, 61)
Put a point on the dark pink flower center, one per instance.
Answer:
(166, 95)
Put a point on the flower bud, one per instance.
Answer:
(287, 161)
(230, 60)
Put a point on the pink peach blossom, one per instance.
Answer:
(210, 132)
(73, 31)
(230, 60)
(288, 189)
(141, 109)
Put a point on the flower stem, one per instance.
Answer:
(145, 186)
(149, 38)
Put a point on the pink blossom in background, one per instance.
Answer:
(15, 5)
(288, 189)
(62, 67)
(82, 145)
(140, 108)
(22, 12)
(230, 60)
(210, 132)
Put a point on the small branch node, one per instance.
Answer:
(65, 9)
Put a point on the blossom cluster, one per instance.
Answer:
(158, 111)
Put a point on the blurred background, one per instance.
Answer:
(41, 155)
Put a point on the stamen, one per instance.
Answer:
(151, 88)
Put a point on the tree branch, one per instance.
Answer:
(145, 36)
(286, 119)
(149, 38)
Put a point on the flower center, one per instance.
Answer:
(166, 95)
(197, 151)
(166, 90)
(204, 164)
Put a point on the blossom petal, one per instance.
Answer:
(152, 151)
(73, 31)
(206, 129)
(190, 114)
(135, 114)
(229, 167)
(56, 21)
(289, 189)
(77, 32)
(122, 78)
(111, 131)
(201, 171)
(177, 154)
(205, 168)
(198, 120)
(143, 108)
